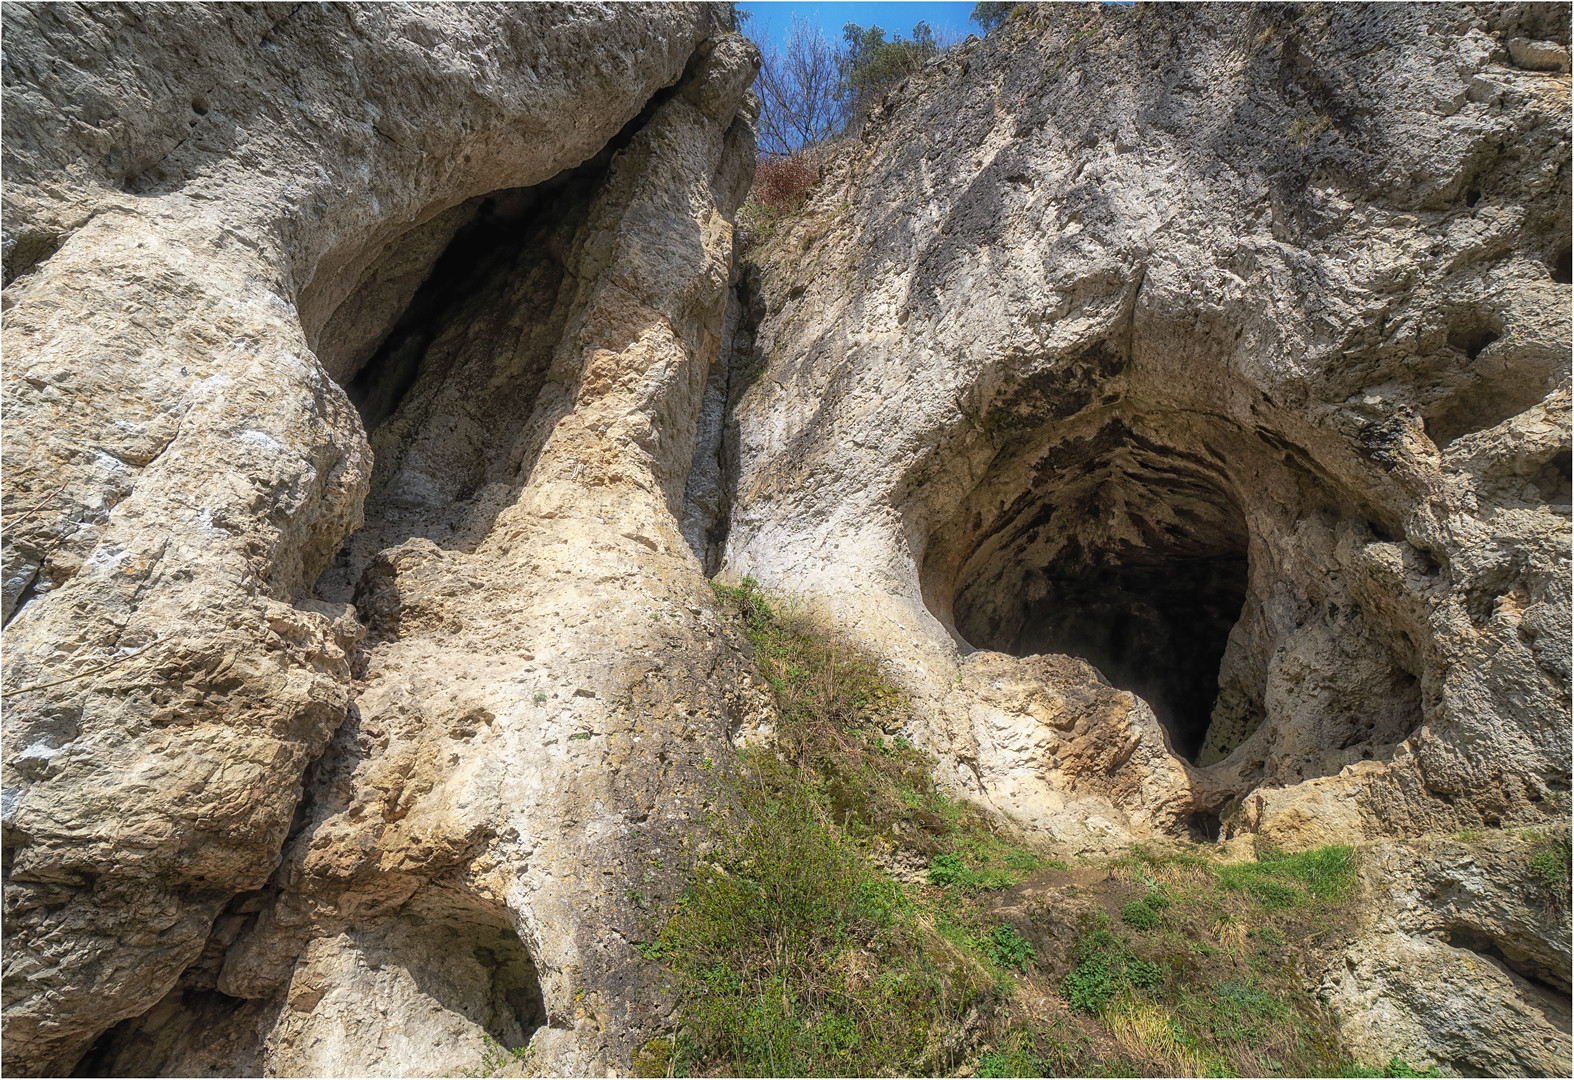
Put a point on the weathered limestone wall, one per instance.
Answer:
(214, 217)
(1138, 334)
(1228, 349)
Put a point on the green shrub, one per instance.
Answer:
(791, 952)
(1022, 860)
(950, 869)
(1105, 967)
(748, 601)
(1003, 1063)
(1143, 974)
(1090, 985)
(1139, 916)
(754, 948)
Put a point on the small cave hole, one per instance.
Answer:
(1205, 827)
(1560, 268)
(1472, 197)
(1132, 561)
(1555, 481)
(1471, 338)
(199, 105)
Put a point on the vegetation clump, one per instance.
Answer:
(1106, 966)
(1549, 866)
(1282, 881)
(794, 951)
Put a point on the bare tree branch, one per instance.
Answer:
(799, 83)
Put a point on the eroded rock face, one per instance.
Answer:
(363, 686)
(1463, 963)
(250, 208)
(1225, 350)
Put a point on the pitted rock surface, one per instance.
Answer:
(1176, 400)
(1225, 349)
(214, 217)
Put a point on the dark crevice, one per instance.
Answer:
(1155, 626)
(491, 240)
(189, 1032)
(706, 526)
(1547, 980)
(1561, 268)
(32, 249)
(1471, 338)
(502, 226)
(1555, 481)
(1205, 827)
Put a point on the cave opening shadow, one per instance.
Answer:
(1133, 558)
(445, 347)
(1158, 629)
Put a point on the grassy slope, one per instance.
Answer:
(795, 952)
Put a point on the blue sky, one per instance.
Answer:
(770, 19)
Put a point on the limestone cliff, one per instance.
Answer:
(215, 219)
(1226, 349)
(1229, 354)
(1175, 400)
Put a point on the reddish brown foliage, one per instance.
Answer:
(781, 182)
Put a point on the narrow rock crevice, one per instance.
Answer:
(713, 478)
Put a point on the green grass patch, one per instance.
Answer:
(1139, 916)
(791, 952)
(793, 956)
(1549, 868)
(1282, 881)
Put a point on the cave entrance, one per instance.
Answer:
(448, 394)
(1121, 551)
(445, 346)
(1153, 625)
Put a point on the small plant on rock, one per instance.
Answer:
(1009, 948)
(1549, 866)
